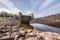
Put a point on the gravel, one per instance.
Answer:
(16, 33)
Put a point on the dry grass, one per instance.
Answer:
(27, 26)
(9, 24)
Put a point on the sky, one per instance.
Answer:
(39, 8)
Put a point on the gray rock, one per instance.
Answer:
(26, 34)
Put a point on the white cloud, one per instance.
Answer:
(10, 5)
(46, 3)
(1, 9)
(6, 10)
(53, 10)
(35, 4)
(27, 12)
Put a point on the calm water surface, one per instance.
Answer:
(43, 27)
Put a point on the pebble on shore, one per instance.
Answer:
(16, 33)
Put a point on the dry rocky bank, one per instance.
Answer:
(16, 33)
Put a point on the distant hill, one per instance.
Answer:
(52, 20)
(53, 17)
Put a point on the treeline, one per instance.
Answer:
(5, 14)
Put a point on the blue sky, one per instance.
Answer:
(40, 8)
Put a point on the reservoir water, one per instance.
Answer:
(42, 27)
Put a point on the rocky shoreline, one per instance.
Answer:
(16, 33)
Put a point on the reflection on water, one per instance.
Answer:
(42, 27)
